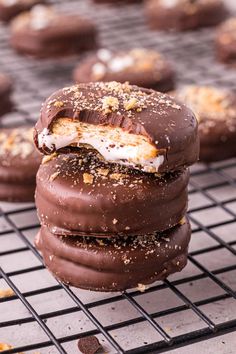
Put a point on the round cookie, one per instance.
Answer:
(5, 94)
(141, 67)
(19, 162)
(78, 194)
(182, 15)
(11, 8)
(44, 33)
(216, 113)
(115, 264)
(225, 41)
(137, 127)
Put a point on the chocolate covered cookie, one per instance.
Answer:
(184, 15)
(44, 33)
(226, 41)
(6, 104)
(78, 194)
(11, 8)
(115, 264)
(132, 126)
(19, 162)
(141, 67)
(215, 110)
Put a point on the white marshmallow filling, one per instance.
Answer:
(113, 143)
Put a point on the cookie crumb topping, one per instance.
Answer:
(4, 293)
(88, 178)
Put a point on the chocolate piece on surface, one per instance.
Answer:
(215, 110)
(89, 345)
(19, 162)
(133, 126)
(115, 264)
(139, 66)
(182, 15)
(78, 193)
(44, 33)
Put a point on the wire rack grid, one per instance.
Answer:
(192, 306)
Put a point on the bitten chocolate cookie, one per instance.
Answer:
(78, 194)
(19, 162)
(115, 264)
(6, 104)
(141, 67)
(43, 33)
(216, 113)
(226, 41)
(182, 15)
(137, 127)
(11, 8)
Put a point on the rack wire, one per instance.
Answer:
(192, 306)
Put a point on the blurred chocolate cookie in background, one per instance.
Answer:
(19, 162)
(182, 15)
(139, 66)
(43, 33)
(215, 110)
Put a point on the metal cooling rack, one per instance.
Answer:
(182, 312)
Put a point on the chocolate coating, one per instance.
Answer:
(19, 162)
(9, 9)
(6, 104)
(78, 194)
(43, 33)
(182, 15)
(216, 113)
(225, 42)
(169, 126)
(141, 67)
(115, 264)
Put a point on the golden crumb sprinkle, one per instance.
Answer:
(4, 346)
(114, 221)
(142, 288)
(131, 104)
(48, 158)
(58, 104)
(88, 178)
(118, 176)
(182, 221)
(54, 176)
(103, 171)
(6, 293)
(110, 104)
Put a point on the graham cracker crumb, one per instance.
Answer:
(114, 221)
(110, 104)
(58, 104)
(142, 288)
(131, 104)
(6, 293)
(48, 158)
(54, 176)
(88, 178)
(103, 171)
(117, 176)
(4, 346)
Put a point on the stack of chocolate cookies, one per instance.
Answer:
(112, 188)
